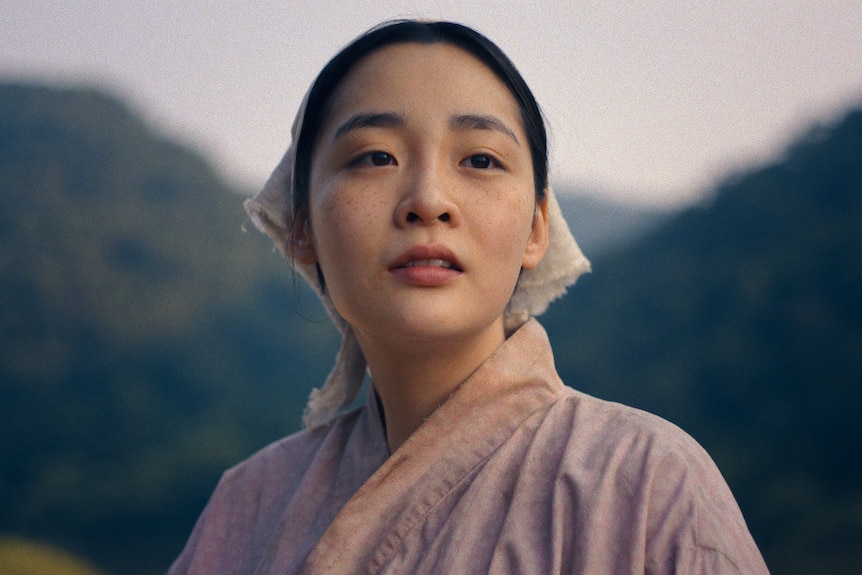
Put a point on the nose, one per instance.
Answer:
(427, 199)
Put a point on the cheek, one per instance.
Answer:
(342, 223)
(508, 226)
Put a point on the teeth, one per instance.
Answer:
(431, 262)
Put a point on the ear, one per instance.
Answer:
(301, 241)
(537, 243)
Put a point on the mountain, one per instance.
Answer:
(147, 342)
(602, 226)
(740, 320)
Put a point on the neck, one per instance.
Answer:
(413, 379)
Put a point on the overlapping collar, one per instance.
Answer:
(515, 381)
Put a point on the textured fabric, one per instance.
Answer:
(271, 211)
(514, 473)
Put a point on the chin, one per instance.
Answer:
(446, 328)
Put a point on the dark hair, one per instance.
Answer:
(319, 98)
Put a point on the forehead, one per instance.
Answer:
(431, 77)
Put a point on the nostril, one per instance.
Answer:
(413, 217)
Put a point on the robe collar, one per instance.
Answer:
(514, 382)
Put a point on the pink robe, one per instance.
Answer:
(515, 473)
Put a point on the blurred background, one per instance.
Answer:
(709, 160)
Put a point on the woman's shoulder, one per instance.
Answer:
(283, 462)
(634, 460)
(602, 423)
(301, 476)
(649, 458)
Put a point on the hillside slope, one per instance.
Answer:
(146, 342)
(741, 321)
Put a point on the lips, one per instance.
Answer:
(437, 263)
(426, 266)
(430, 256)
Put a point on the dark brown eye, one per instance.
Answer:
(480, 162)
(381, 159)
(375, 159)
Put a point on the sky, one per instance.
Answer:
(648, 103)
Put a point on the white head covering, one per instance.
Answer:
(271, 210)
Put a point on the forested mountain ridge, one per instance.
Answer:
(741, 321)
(147, 343)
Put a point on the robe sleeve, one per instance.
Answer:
(694, 524)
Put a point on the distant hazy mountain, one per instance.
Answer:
(603, 226)
(147, 342)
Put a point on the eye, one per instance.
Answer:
(481, 162)
(374, 159)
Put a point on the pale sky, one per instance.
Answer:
(650, 102)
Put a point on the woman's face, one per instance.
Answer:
(422, 205)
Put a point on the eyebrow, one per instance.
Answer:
(481, 122)
(393, 120)
(380, 120)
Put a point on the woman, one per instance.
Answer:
(415, 201)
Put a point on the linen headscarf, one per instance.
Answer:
(271, 211)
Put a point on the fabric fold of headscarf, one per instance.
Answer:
(271, 211)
